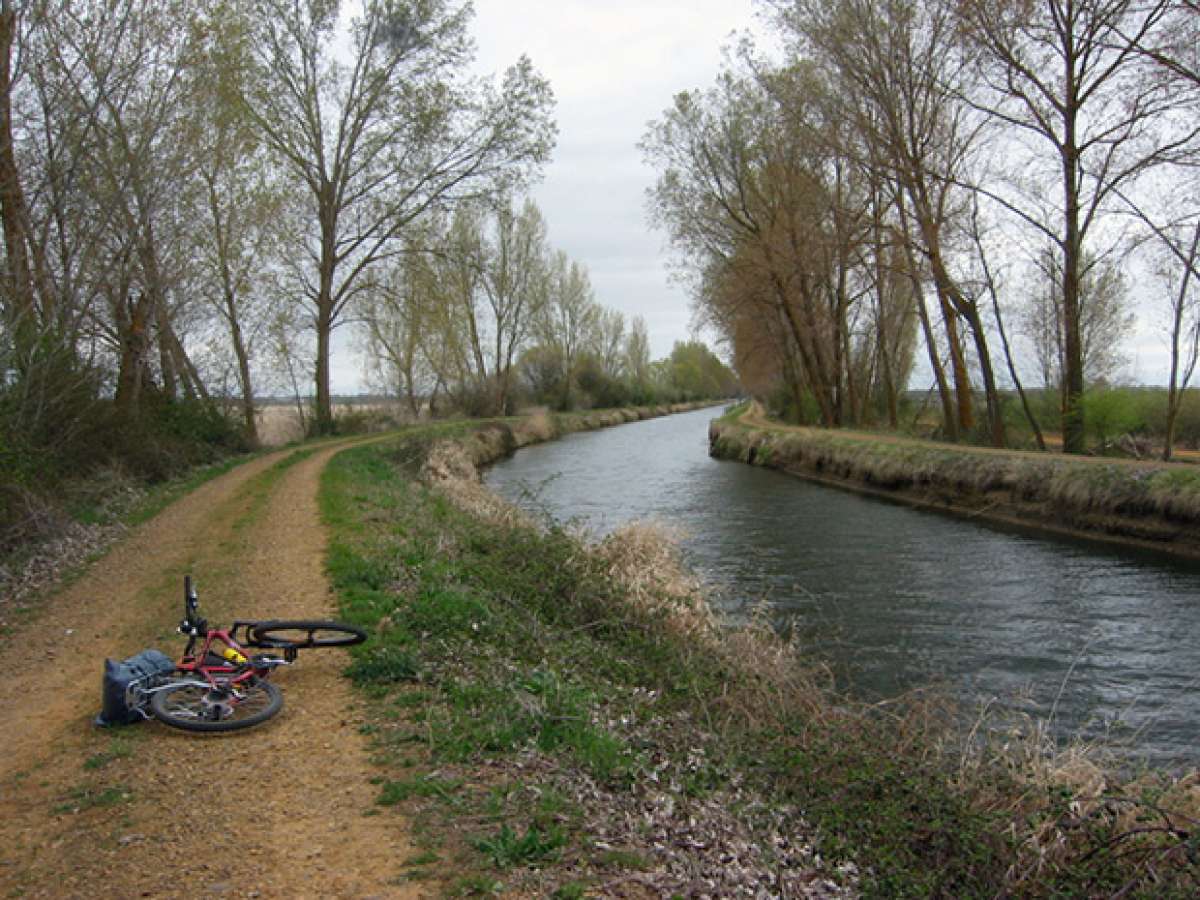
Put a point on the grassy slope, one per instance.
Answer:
(526, 703)
(1149, 502)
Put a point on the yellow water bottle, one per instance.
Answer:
(233, 656)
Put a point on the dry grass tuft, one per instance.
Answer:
(536, 428)
(450, 466)
(643, 559)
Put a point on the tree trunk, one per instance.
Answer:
(992, 395)
(1012, 371)
(324, 411)
(165, 363)
(964, 413)
(1073, 425)
(249, 413)
(22, 307)
(949, 419)
(133, 333)
(1177, 385)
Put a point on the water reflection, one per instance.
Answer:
(895, 597)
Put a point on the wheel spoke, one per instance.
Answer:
(225, 708)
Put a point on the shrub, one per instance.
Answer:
(364, 420)
(1110, 413)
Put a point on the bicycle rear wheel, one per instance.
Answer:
(188, 706)
(297, 635)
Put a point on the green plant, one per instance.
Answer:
(507, 848)
(572, 890)
(394, 792)
(1110, 413)
(87, 797)
(118, 748)
(383, 664)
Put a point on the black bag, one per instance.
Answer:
(124, 685)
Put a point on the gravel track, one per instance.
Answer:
(284, 810)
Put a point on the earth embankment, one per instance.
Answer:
(1148, 504)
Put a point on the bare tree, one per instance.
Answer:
(898, 76)
(749, 180)
(402, 340)
(608, 342)
(567, 322)
(1067, 80)
(21, 303)
(637, 355)
(1105, 319)
(381, 140)
(516, 283)
(247, 215)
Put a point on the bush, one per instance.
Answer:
(1110, 413)
(364, 420)
(603, 392)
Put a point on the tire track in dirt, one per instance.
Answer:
(284, 810)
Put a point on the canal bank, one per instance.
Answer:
(1151, 505)
(564, 719)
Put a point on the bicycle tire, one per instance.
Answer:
(191, 708)
(286, 634)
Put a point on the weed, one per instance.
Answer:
(118, 748)
(477, 886)
(424, 858)
(507, 849)
(383, 664)
(87, 797)
(394, 792)
(572, 890)
(623, 859)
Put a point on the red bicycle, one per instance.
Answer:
(218, 685)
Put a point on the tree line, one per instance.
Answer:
(945, 175)
(196, 196)
(481, 313)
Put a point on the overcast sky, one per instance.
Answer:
(614, 65)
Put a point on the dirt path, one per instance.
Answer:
(285, 810)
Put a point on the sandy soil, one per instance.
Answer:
(283, 810)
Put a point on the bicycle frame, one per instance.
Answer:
(212, 666)
(219, 673)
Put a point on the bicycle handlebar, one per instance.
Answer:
(192, 624)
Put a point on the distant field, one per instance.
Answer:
(279, 423)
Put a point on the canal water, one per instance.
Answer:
(1097, 641)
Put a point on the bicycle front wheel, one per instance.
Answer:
(284, 634)
(193, 708)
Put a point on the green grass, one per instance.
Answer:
(494, 643)
(394, 792)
